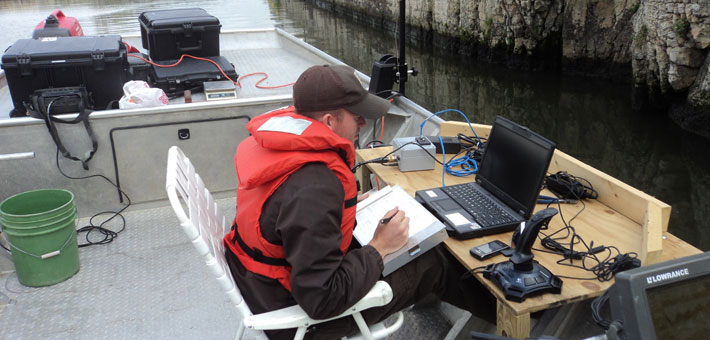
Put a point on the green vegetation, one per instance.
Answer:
(466, 35)
(488, 29)
(681, 26)
(488, 24)
(642, 33)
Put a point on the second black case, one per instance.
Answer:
(190, 74)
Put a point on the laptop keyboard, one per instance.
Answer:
(484, 210)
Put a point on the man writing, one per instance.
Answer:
(291, 243)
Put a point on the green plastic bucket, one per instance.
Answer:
(36, 206)
(30, 225)
(41, 229)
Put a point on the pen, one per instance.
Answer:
(386, 220)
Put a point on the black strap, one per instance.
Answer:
(349, 203)
(83, 117)
(256, 253)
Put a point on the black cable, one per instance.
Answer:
(471, 272)
(603, 267)
(108, 234)
(380, 160)
(564, 185)
(596, 306)
(475, 141)
(378, 142)
(614, 264)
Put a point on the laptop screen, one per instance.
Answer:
(514, 165)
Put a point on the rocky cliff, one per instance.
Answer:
(661, 46)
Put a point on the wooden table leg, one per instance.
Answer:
(511, 325)
(363, 175)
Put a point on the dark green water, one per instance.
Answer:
(590, 119)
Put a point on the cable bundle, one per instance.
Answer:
(564, 185)
(467, 159)
(597, 304)
(602, 261)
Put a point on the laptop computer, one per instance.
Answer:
(508, 183)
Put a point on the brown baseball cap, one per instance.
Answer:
(329, 87)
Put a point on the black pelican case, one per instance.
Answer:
(96, 63)
(138, 68)
(168, 34)
(190, 74)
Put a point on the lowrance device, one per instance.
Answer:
(667, 300)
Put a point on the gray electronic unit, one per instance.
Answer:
(418, 155)
(667, 300)
(220, 89)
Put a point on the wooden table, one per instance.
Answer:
(622, 216)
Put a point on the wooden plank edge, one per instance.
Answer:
(652, 235)
(449, 128)
(623, 198)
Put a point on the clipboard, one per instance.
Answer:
(425, 230)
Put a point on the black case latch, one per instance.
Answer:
(98, 58)
(24, 63)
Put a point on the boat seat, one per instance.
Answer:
(205, 226)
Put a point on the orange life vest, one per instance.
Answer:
(281, 143)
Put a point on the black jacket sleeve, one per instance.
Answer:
(305, 216)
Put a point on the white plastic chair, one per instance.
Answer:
(205, 226)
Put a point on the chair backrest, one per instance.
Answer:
(205, 226)
(203, 223)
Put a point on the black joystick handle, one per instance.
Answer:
(527, 236)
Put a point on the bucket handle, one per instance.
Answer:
(47, 255)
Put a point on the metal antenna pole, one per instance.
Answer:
(402, 67)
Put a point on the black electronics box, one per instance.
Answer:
(97, 63)
(168, 34)
(190, 74)
(138, 67)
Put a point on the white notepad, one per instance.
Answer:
(425, 230)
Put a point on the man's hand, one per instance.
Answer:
(393, 234)
(363, 196)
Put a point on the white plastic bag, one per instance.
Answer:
(137, 93)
